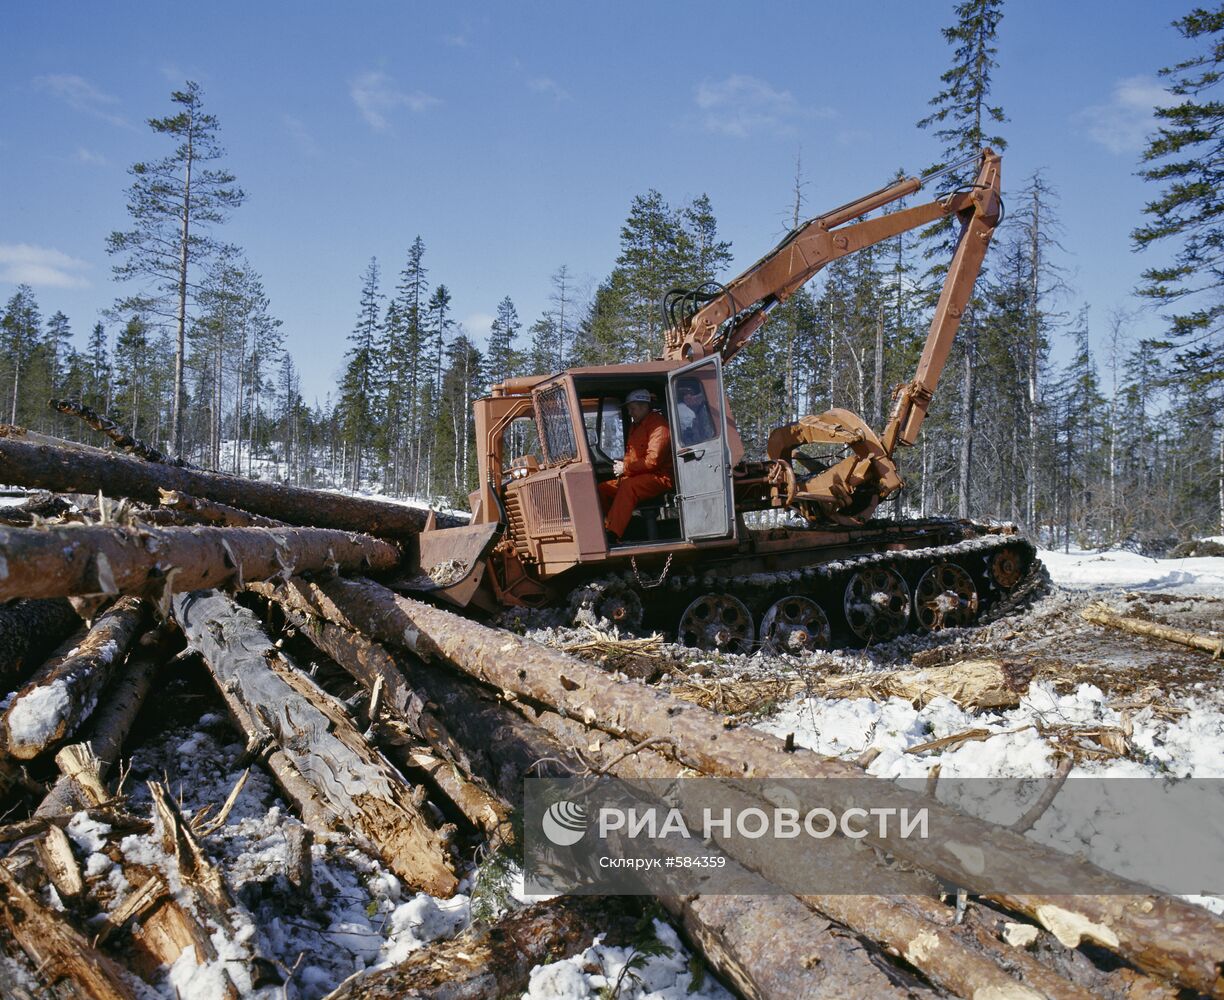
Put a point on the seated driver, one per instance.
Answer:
(646, 470)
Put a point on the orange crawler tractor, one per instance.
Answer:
(691, 563)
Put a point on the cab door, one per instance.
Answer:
(703, 463)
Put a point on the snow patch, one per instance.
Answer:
(34, 717)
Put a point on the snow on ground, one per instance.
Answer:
(1118, 569)
(659, 977)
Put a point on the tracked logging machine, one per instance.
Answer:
(697, 562)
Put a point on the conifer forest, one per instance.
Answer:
(1053, 412)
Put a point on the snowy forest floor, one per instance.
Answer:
(1167, 703)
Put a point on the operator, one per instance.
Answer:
(696, 421)
(646, 470)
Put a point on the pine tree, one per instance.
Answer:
(98, 383)
(173, 203)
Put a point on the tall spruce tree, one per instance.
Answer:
(174, 203)
(1186, 158)
(357, 402)
(21, 325)
(503, 358)
(964, 121)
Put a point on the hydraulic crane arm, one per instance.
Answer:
(725, 320)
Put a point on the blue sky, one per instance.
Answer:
(512, 138)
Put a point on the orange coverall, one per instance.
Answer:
(648, 472)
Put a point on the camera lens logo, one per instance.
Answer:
(564, 823)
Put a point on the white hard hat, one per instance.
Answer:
(638, 396)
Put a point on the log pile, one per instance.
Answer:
(403, 731)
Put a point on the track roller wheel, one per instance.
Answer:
(717, 622)
(877, 604)
(794, 625)
(607, 604)
(1006, 568)
(945, 598)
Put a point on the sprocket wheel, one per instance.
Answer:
(794, 625)
(717, 622)
(1006, 568)
(606, 604)
(877, 604)
(945, 598)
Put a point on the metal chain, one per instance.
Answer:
(662, 576)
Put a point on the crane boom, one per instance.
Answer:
(722, 321)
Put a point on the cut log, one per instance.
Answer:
(215, 513)
(29, 630)
(345, 776)
(1162, 935)
(495, 960)
(58, 951)
(429, 746)
(84, 767)
(1102, 614)
(96, 559)
(64, 693)
(72, 470)
(103, 424)
(973, 684)
(740, 935)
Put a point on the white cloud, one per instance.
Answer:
(1122, 125)
(377, 96)
(89, 157)
(479, 324)
(21, 263)
(301, 135)
(547, 85)
(457, 41)
(741, 106)
(81, 95)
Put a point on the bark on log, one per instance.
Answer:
(95, 559)
(58, 951)
(103, 424)
(1162, 935)
(81, 780)
(449, 768)
(1101, 614)
(29, 630)
(63, 695)
(212, 512)
(494, 960)
(345, 774)
(76, 470)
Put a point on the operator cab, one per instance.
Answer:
(691, 400)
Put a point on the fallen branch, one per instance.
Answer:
(1102, 614)
(69, 469)
(337, 772)
(64, 693)
(215, 513)
(973, 684)
(104, 424)
(93, 559)
(495, 960)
